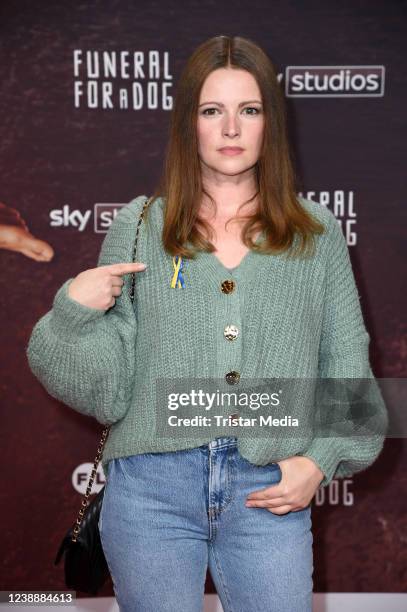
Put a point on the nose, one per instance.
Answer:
(231, 125)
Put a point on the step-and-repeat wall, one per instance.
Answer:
(79, 139)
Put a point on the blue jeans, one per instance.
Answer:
(166, 517)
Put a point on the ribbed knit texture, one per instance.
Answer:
(298, 318)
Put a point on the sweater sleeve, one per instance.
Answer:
(85, 357)
(344, 354)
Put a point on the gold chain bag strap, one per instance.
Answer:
(105, 432)
(85, 565)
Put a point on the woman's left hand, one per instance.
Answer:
(300, 479)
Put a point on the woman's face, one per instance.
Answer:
(230, 114)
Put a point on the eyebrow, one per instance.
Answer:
(222, 105)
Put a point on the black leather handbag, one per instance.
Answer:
(85, 564)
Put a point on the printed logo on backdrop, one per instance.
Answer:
(342, 204)
(334, 81)
(80, 478)
(122, 80)
(337, 493)
(103, 215)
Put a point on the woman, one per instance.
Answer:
(236, 279)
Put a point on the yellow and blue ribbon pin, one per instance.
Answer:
(177, 279)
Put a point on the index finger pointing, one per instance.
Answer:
(126, 268)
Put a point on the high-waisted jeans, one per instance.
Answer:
(166, 517)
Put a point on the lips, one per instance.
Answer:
(231, 151)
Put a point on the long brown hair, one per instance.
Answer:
(279, 213)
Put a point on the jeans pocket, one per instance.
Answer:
(278, 468)
(275, 472)
(130, 465)
(272, 471)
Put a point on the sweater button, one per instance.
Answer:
(228, 286)
(233, 377)
(231, 332)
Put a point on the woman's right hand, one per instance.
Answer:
(98, 287)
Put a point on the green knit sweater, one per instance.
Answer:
(290, 318)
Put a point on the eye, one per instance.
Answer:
(204, 112)
(258, 110)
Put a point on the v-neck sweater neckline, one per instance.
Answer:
(215, 271)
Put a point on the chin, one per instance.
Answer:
(230, 166)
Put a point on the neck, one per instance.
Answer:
(225, 208)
